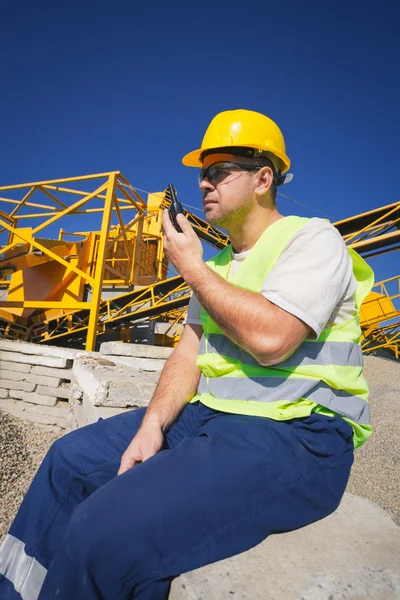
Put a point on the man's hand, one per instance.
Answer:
(184, 250)
(145, 444)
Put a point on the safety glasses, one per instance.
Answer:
(219, 171)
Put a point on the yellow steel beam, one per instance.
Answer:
(126, 243)
(70, 209)
(52, 196)
(23, 201)
(139, 206)
(39, 246)
(34, 204)
(378, 306)
(45, 304)
(77, 212)
(132, 189)
(137, 252)
(387, 209)
(75, 192)
(28, 259)
(100, 263)
(64, 180)
(365, 243)
(125, 229)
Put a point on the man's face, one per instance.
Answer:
(229, 196)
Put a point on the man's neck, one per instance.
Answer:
(246, 236)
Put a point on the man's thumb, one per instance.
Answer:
(126, 464)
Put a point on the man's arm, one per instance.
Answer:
(263, 329)
(178, 382)
(177, 385)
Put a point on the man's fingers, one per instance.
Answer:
(166, 223)
(184, 224)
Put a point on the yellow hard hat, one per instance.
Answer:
(245, 129)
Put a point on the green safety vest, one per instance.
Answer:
(323, 375)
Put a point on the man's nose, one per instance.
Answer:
(204, 184)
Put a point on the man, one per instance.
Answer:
(252, 427)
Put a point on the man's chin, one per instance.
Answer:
(213, 220)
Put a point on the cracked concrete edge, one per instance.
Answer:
(347, 555)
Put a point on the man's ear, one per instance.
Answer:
(265, 179)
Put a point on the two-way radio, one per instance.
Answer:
(175, 208)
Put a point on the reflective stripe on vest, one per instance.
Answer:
(327, 372)
(274, 389)
(309, 353)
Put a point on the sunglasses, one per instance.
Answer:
(219, 171)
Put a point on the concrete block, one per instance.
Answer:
(142, 364)
(136, 350)
(33, 397)
(60, 392)
(84, 413)
(352, 554)
(13, 375)
(52, 372)
(17, 385)
(135, 392)
(52, 382)
(40, 419)
(37, 349)
(3, 393)
(46, 361)
(14, 366)
(35, 413)
(109, 386)
(59, 411)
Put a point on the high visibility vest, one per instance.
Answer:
(323, 375)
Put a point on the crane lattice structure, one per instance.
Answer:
(105, 270)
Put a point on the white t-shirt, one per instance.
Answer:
(312, 279)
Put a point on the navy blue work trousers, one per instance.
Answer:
(221, 484)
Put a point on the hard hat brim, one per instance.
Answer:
(193, 159)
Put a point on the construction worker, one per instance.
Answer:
(252, 427)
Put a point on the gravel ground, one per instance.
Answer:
(376, 471)
(375, 474)
(22, 448)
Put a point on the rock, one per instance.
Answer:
(352, 555)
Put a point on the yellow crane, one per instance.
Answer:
(67, 285)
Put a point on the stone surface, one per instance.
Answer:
(84, 412)
(23, 445)
(352, 555)
(52, 372)
(144, 364)
(36, 413)
(3, 393)
(33, 397)
(17, 385)
(14, 366)
(59, 392)
(376, 470)
(122, 387)
(37, 349)
(53, 382)
(136, 350)
(14, 375)
(47, 361)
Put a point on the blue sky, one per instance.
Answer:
(96, 86)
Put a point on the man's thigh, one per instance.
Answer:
(212, 496)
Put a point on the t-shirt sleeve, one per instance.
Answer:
(312, 275)
(193, 312)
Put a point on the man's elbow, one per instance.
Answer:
(274, 350)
